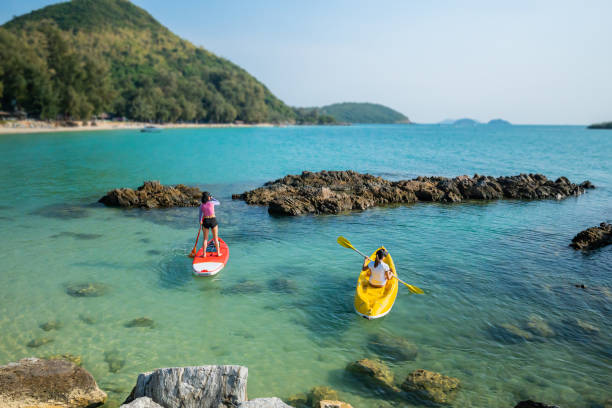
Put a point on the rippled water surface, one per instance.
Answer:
(283, 305)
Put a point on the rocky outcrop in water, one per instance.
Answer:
(373, 372)
(39, 341)
(317, 397)
(201, 386)
(432, 386)
(153, 195)
(389, 346)
(332, 192)
(90, 289)
(593, 238)
(140, 322)
(39, 383)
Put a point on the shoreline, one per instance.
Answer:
(35, 126)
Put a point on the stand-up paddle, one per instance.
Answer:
(193, 252)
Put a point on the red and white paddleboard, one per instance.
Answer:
(211, 264)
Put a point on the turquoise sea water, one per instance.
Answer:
(283, 305)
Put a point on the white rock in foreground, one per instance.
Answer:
(264, 403)
(142, 402)
(194, 387)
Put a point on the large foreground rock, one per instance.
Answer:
(142, 402)
(432, 386)
(37, 383)
(153, 195)
(193, 387)
(332, 192)
(593, 238)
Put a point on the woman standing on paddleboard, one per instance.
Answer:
(208, 220)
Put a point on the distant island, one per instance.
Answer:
(499, 122)
(109, 59)
(467, 122)
(603, 125)
(353, 112)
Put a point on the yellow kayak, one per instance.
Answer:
(372, 302)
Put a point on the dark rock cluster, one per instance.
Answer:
(332, 192)
(593, 238)
(153, 195)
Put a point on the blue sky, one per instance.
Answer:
(525, 61)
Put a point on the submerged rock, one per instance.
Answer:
(299, 400)
(509, 333)
(90, 289)
(332, 192)
(114, 360)
(321, 393)
(532, 404)
(87, 319)
(201, 386)
(38, 383)
(432, 386)
(41, 341)
(78, 360)
(282, 285)
(581, 325)
(538, 326)
(153, 195)
(140, 322)
(373, 372)
(243, 288)
(51, 325)
(62, 211)
(76, 235)
(593, 238)
(392, 347)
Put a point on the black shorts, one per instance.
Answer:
(209, 222)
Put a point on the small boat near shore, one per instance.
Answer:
(372, 302)
(151, 129)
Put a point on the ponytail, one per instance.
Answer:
(380, 254)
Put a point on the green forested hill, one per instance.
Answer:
(351, 112)
(85, 57)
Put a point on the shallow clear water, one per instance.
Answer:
(481, 264)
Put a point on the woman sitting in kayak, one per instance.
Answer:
(380, 272)
(208, 220)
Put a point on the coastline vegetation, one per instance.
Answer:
(353, 112)
(109, 58)
(86, 57)
(603, 125)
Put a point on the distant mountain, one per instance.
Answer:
(466, 122)
(603, 125)
(499, 122)
(352, 112)
(84, 57)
